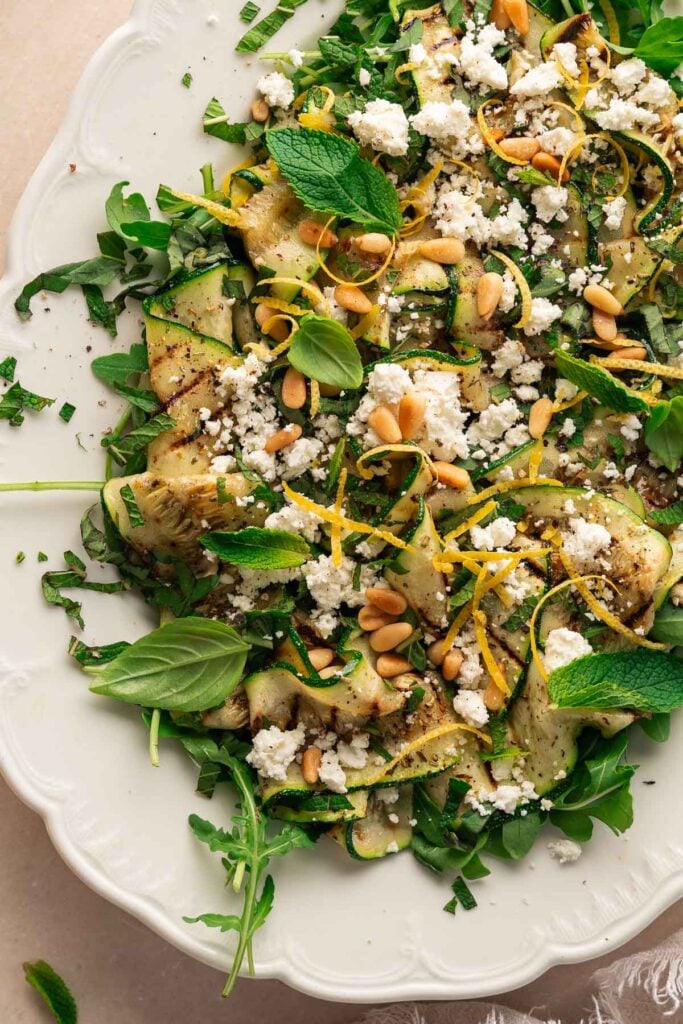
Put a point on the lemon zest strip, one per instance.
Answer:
(511, 485)
(488, 135)
(475, 518)
(434, 734)
(658, 369)
(336, 534)
(522, 285)
(222, 214)
(337, 519)
(546, 597)
(315, 399)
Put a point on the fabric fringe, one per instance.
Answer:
(658, 972)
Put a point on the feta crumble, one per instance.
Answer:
(566, 851)
(563, 646)
(383, 126)
(469, 704)
(277, 90)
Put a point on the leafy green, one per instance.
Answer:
(642, 679)
(654, 323)
(668, 625)
(16, 400)
(94, 657)
(325, 351)
(246, 852)
(598, 789)
(117, 368)
(257, 548)
(101, 270)
(66, 412)
(519, 834)
(217, 124)
(656, 728)
(267, 27)
(598, 383)
(135, 516)
(463, 895)
(327, 173)
(249, 12)
(73, 578)
(53, 990)
(661, 46)
(191, 664)
(664, 432)
(671, 516)
(124, 447)
(7, 368)
(186, 80)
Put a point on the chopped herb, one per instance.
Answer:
(16, 400)
(67, 411)
(42, 557)
(53, 990)
(249, 12)
(267, 27)
(135, 516)
(186, 80)
(21, 555)
(7, 368)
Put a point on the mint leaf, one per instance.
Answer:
(324, 350)
(643, 680)
(671, 516)
(249, 12)
(664, 432)
(217, 124)
(135, 516)
(100, 271)
(661, 45)
(598, 383)
(7, 368)
(327, 173)
(53, 989)
(191, 664)
(266, 28)
(257, 548)
(122, 209)
(118, 367)
(16, 400)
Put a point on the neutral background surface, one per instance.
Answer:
(119, 971)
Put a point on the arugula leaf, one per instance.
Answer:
(324, 350)
(191, 664)
(16, 400)
(645, 680)
(661, 46)
(153, 235)
(664, 432)
(53, 990)
(116, 369)
(7, 368)
(598, 383)
(598, 789)
(267, 27)
(258, 548)
(122, 209)
(101, 270)
(668, 625)
(327, 173)
(518, 835)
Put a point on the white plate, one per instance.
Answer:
(339, 930)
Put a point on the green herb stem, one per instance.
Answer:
(154, 737)
(54, 485)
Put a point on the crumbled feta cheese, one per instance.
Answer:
(299, 456)
(564, 850)
(331, 773)
(529, 372)
(277, 90)
(442, 121)
(549, 200)
(623, 115)
(509, 296)
(383, 126)
(565, 390)
(469, 704)
(476, 60)
(628, 74)
(562, 646)
(566, 54)
(655, 92)
(498, 534)
(557, 141)
(539, 81)
(387, 794)
(296, 57)
(507, 227)
(354, 754)
(544, 313)
(295, 520)
(631, 428)
(274, 750)
(507, 357)
(494, 421)
(364, 78)
(568, 428)
(585, 541)
(442, 434)
(417, 54)
(253, 416)
(614, 210)
(392, 847)
(388, 383)
(331, 586)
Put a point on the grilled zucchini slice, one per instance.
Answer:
(377, 835)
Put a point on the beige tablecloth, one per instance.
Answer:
(121, 972)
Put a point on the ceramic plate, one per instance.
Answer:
(339, 930)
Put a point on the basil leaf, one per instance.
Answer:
(661, 45)
(519, 834)
(327, 173)
(53, 990)
(191, 664)
(659, 339)
(324, 350)
(258, 548)
(664, 432)
(643, 680)
(598, 383)
(153, 235)
(8, 368)
(266, 28)
(216, 123)
(100, 270)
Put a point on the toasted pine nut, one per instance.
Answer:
(260, 111)
(632, 352)
(320, 657)
(518, 13)
(452, 664)
(540, 416)
(499, 15)
(411, 415)
(390, 665)
(386, 600)
(310, 765)
(370, 618)
(489, 293)
(520, 148)
(385, 425)
(311, 232)
(293, 389)
(386, 638)
(352, 298)
(283, 438)
(452, 476)
(279, 331)
(493, 697)
(604, 325)
(602, 299)
(374, 243)
(331, 670)
(549, 165)
(435, 653)
(443, 250)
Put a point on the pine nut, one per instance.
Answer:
(493, 697)
(313, 233)
(310, 765)
(520, 148)
(632, 352)
(386, 600)
(386, 638)
(330, 671)
(293, 389)
(602, 299)
(370, 618)
(452, 664)
(540, 416)
(518, 13)
(373, 243)
(352, 298)
(489, 293)
(435, 653)
(390, 665)
(385, 425)
(452, 476)
(279, 331)
(320, 657)
(443, 250)
(260, 111)
(604, 325)
(411, 415)
(499, 15)
(549, 165)
(283, 438)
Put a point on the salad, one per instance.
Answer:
(400, 461)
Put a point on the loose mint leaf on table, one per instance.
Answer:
(664, 432)
(661, 45)
(53, 990)
(101, 270)
(598, 383)
(16, 400)
(122, 209)
(73, 578)
(191, 664)
(8, 367)
(327, 173)
(324, 350)
(257, 548)
(644, 680)
(266, 28)
(123, 448)
(249, 12)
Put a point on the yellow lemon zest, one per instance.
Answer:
(511, 485)
(328, 515)
(537, 610)
(475, 518)
(315, 399)
(522, 285)
(535, 459)
(570, 403)
(421, 741)
(307, 287)
(222, 214)
(400, 449)
(402, 69)
(336, 534)
(488, 135)
(611, 21)
(279, 304)
(359, 284)
(658, 369)
(580, 129)
(365, 323)
(244, 166)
